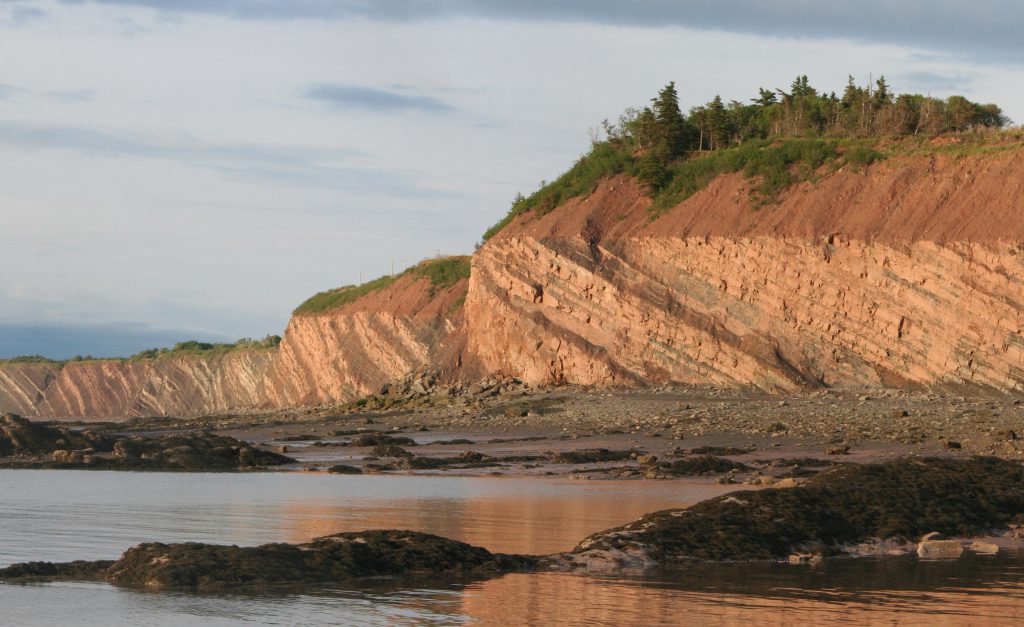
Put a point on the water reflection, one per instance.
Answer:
(60, 515)
(864, 592)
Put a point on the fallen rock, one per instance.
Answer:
(590, 456)
(984, 548)
(939, 549)
(703, 465)
(344, 469)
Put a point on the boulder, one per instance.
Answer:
(939, 549)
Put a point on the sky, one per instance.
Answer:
(195, 169)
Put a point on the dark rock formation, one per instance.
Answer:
(902, 499)
(34, 445)
(338, 558)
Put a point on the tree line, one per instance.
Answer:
(663, 133)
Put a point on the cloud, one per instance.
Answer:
(74, 96)
(308, 166)
(924, 81)
(20, 14)
(369, 99)
(977, 27)
(65, 96)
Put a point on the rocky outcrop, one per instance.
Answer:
(27, 444)
(910, 273)
(883, 506)
(352, 351)
(340, 558)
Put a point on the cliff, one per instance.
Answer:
(906, 272)
(339, 353)
(350, 351)
(176, 385)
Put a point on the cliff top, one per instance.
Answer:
(190, 347)
(443, 274)
(964, 187)
(780, 139)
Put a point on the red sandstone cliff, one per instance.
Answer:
(351, 351)
(908, 272)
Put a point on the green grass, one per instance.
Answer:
(776, 164)
(332, 299)
(190, 347)
(443, 273)
(602, 161)
(193, 347)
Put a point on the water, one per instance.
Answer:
(66, 515)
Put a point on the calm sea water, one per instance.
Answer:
(66, 515)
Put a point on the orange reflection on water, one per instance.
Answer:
(529, 522)
(568, 599)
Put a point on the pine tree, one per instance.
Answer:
(672, 127)
(718, 121)
(653, 168)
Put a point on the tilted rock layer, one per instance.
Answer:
(909, 272)
(332, 357)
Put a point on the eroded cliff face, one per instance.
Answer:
(908, 273)
(352, 351)
(332, 357)
(177, 385)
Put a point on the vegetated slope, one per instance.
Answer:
(906, 271)
(345, 344)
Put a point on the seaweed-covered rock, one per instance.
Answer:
(344, 469)
(338, 558)
(467, 459)
(591, 456)
(720, 450)
(66, 449)
(902, 499)
(378, 439)
(22, 437)
(390, 450)
(703, 465)
(79, 570)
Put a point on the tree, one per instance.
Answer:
(653, 168)
(646, 128)
(718, 122)
(672, 128)
(765, 97)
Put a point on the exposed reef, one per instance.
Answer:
(342, 557)
(27, 444)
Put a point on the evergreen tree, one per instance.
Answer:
(672, 128)
(718, 122)
(765, 97)
(653, 168)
